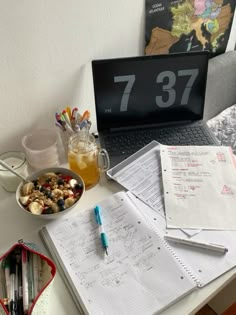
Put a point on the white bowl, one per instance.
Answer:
(34, 176)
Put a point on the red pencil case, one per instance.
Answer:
(26, 277)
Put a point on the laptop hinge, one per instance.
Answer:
(150, 126)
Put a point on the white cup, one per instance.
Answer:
(41, 149)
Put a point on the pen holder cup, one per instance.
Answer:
(66, 133)
(65, 136)
(31, 274)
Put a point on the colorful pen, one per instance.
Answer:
(66, 117)
(85, 116)
(97, 213)
(68, 110)
(74, 113)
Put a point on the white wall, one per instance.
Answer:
(45, 54)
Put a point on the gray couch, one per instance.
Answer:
(221, 84)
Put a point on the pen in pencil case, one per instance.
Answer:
(30, 275)
(5, 276)
(3, 292)
(25, 287)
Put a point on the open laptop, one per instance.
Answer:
(140, 99)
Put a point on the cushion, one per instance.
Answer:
(224, 127)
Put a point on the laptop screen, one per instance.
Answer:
(149, 90)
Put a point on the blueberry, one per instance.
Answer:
(61, 208)
(60, 202)
(35, 182)
(78, 186)
(48, 193)
(48, 210)
(60, 181)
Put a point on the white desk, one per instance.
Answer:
(15, 225)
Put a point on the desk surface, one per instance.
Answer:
(15, 225)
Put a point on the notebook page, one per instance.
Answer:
(204, 265)
(135, 277)
(199, 187)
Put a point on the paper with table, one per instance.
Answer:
(134, 278)
(199, 187)
(141, 174)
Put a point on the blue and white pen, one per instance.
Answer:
(97, 213)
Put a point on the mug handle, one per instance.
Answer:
(106, 160)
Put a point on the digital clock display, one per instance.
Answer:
(149, 89)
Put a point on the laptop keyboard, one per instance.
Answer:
(129, 142)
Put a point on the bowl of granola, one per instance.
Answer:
(50, 193)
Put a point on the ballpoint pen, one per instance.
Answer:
(12, 303)
(13, 297)
(208, 246)
(25, 284)
(97, 213)
(20, 292)
(7, 278)
(3, 292)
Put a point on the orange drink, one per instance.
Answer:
(84, 158)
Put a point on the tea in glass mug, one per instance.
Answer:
(86, 158)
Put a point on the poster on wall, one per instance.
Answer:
(189, 25)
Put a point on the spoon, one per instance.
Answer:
(6, 166)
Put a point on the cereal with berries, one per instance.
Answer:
(50, 193)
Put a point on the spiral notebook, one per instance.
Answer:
(134, 278)
(204, 265)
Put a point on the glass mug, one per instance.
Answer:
(86, 158)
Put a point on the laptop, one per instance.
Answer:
(140, 99)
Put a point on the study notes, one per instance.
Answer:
(134, 278)
(199, 187)
(204, 265)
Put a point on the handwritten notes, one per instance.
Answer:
(204, 265)
(199, 187)
(134, 277)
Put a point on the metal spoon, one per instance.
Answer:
(6, 166)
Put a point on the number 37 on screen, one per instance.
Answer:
(167, 80)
